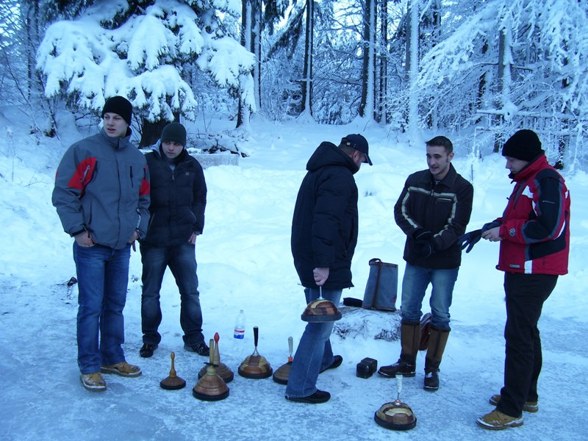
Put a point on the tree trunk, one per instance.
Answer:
(308, 70)
(382, 114)
(366, 106)
(247, 36)
(412, 67)
(504, 75)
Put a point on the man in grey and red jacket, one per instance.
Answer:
(534, 236)
(102, 198)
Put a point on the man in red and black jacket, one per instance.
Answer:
(534, 236)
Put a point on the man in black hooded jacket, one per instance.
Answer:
(324, 235)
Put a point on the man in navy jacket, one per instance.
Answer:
(178, 200)
(324, 235)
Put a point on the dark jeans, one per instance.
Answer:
(181, 260)
(103, 275)
(525, 295)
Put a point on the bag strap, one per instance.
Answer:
(378, 263)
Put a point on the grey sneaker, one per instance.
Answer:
(529, 406)
(123, 369)
(93, 382)
(496, 420)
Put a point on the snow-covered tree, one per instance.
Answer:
(143, 50)
(522, 62)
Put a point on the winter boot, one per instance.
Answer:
(437, 342)
(410, 335)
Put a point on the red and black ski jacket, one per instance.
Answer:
(535, 226)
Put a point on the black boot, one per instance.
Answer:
(431, 380)
(410, 336)
(401, 367)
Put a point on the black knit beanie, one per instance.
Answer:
(119, 105)
(523, 145)
(175, 132)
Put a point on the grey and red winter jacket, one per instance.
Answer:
(102, 186)
(535, 226)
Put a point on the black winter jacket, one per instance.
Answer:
(178, 199)
(443, 208)
(325, 221)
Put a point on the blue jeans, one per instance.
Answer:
(181, 260)
(314, 352)
(103, 275)
(414, 286)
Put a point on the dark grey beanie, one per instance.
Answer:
(174, 132)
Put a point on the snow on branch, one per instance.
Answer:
(144, 59)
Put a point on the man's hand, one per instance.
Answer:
(420, 234)
(493, 234)
(320, 275)
(84, 240)
(423, 248)
(133, 238)
(192, 239)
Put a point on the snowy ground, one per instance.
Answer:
(245, 263)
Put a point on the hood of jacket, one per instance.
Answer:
(328, 154)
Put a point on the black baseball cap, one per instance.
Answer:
(359, 143)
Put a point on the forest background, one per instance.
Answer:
(473, 70)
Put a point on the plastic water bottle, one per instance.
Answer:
(239, 336)
(240, 326)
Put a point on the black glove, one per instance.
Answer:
(468, 240)
(490, 225)
(420, 234)
(423, 248)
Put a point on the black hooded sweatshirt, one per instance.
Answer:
(325, 221)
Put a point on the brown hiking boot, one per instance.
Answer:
(123, 369)
(529, 406)
(409, 343)
(93, 382)
(496, 420)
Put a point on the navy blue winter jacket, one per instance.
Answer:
(178, 199)
(325, 221)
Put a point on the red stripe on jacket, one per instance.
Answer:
(83, 174)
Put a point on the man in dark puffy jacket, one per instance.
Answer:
(433, 211)
(178, 200)
(534, 236)
(102, 196)
(324, 235)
